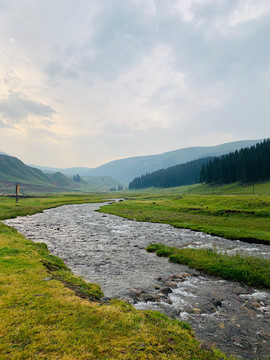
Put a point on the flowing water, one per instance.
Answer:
(110, 251)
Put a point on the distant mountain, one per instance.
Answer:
(83, 171)
(102, 183)
(177, 175)
(2, 153)
(127, 169)
(13, 170)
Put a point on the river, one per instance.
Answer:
(110, 251)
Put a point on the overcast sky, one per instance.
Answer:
(83, 82)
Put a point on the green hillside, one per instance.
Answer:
(60, 179)
(127, 169)
(13, 170)
(101, 183)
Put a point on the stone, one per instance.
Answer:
(150, 298)
(217, 303)
(256, 304)
(166, 290)
(168, 301)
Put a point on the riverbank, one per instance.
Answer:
(32, 205)
(245, 218)
(40, 317)
(110, 250)
(249, 270)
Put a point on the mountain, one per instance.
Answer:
(127, 169)
(249, 164)
(13, 170)
(102, 183)
(177, 175)
(83, 171)
(2, 153)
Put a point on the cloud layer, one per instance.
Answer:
(89, 82)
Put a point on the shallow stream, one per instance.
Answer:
(110, 251)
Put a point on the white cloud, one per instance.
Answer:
(248, 11)
(187, 8)
(15, 108)
(153, 74)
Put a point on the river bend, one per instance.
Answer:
(110, 251)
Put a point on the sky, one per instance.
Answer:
(84, 82)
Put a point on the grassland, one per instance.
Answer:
(261, 188)
(248, 270)
(41, 317)
(28, 206)
(232, 216)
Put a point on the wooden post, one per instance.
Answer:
(17, 192)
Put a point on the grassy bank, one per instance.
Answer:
(235, 217)
(248, 270)
(28, 206)
(41, 317)
(261, 188)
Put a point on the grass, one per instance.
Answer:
(248, 270)
(231, 216)
(261, 188)
(41, 316)
(30, 206)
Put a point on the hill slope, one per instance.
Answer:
(177, 175)
(249, 164)
(127, 169)
(15, 171)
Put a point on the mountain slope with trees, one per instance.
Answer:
(183, 174)
(127, 169)
(246, 165)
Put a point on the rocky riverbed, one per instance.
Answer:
(110, 250)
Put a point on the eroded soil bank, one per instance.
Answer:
(110, 250)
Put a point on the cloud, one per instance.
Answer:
(16, 108)
(116, 78)
(57, 69)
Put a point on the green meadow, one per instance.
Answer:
(248, 270)
(260, 188)
(29, 206)
(244, 217)
(48, 313)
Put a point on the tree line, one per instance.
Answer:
(245, 165)
(183, 174)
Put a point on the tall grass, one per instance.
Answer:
(249, 270)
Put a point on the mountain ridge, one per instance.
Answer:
(13, 171)
(124, 170)
(127, 169)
